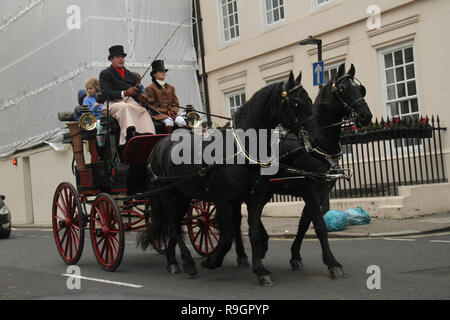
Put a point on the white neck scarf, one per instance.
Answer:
(161, 83)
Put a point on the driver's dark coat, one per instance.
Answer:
(112, 84)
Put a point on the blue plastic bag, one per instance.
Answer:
(335, 220)
(357, 216)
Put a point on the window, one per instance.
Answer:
(330, 71)
(322, 2)
(235, 100)
(229, 20)
(274, 11)
(284, 79)
(400, 83)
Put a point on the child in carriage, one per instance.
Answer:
(92, 87)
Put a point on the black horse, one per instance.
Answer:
(316, 152)
(226, 185)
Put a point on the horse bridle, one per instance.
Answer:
(285, 99)
(338, 92)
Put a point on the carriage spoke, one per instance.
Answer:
(100, 241)
(210, 240)
(113, 246)
(66, 201)
(75, 237)
(105, 250)
(64, 236)
(75, 233)
(69, 244)
(63, 211)
(214, 235)
(114, 239)
(201, 238)
(103, 213)
(206, 241)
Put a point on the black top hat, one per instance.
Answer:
(158, 65)
(116, 51)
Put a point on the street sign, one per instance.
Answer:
(318, 73)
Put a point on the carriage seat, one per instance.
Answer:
(138, 149)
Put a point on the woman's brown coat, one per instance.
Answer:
(162, 99)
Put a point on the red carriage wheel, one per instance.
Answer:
(68, 225)
(107, 232)
(201, 226)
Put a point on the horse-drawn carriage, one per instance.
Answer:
(111, 185)
(115, 182)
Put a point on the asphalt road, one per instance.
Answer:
(410, 268)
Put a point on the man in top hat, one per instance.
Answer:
(119, 85)
(161, 96)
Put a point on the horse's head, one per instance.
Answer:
(350, 95)
(296, 105)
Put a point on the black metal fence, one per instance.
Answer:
(389, 154)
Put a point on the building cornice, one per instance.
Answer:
(232, 77)
(394, 25)
(330, 46)
(276, 63)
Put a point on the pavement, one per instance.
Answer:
(378, 227)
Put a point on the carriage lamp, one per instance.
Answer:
(14, 162)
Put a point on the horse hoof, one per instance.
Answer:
(243, 262)
(207, 264)
(296, 265)
(337, 273)
(267, 281)
(190, 270)
(173, 268)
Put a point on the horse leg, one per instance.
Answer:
(175, 215)
(172, 263)
(303, 226)
(258, 239)
(224, 218)
(242, 259)
(313, 209)
(305, 221)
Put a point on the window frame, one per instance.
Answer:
(264, 11)
(387, 112)
(315, 5)
(334, 65)
(234, 93)
(221, 25)
(382, 68)
(280, 79)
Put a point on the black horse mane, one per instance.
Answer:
(258, 112)
(326, 113)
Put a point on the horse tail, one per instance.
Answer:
(157, 230)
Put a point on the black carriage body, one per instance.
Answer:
(116, 170)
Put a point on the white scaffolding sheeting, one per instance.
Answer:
(43, 62)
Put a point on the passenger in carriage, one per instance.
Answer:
(161, 96)
(119, 85)
(92, 87)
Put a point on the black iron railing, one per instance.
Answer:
(389, 154)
